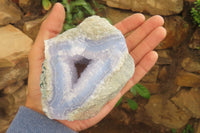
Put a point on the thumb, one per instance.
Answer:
(51, 26)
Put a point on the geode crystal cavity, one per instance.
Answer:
(69, 93)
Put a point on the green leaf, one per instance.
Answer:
(195, 12)
(68, 13)
(98, 7)
(189, 129)
(77, 3)
(118, 103)
(46, 4)
(68, 26)
(132, 104)
(188, 126)
(133, 90)
(64, 2)
(53, 1)
(142, 91)
(109, 20)
(173, 130)
(95, 3)
(89, 9)
(83, 4)
(192, 130)
(78, 17)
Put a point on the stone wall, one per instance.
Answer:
(163, 7)
(174, 82)
(14, 48)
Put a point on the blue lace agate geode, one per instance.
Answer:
(67, 93)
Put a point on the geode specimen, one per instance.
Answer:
(69, 93)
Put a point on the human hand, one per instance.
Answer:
(145, 37)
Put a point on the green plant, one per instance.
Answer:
(173, 130)
(141, 90)
(46, 4)
(76, 10)
(195, 11)
(188, 129)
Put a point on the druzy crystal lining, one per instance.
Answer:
(68, 94)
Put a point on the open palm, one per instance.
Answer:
(145, 37)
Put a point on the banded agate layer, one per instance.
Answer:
(72, 94)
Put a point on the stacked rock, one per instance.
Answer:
(14, 48)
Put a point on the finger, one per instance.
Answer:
(141, 69)
(144, 30)
(148, 44)
(130, 23)
(51, 26)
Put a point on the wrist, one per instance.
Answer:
(34, 106)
